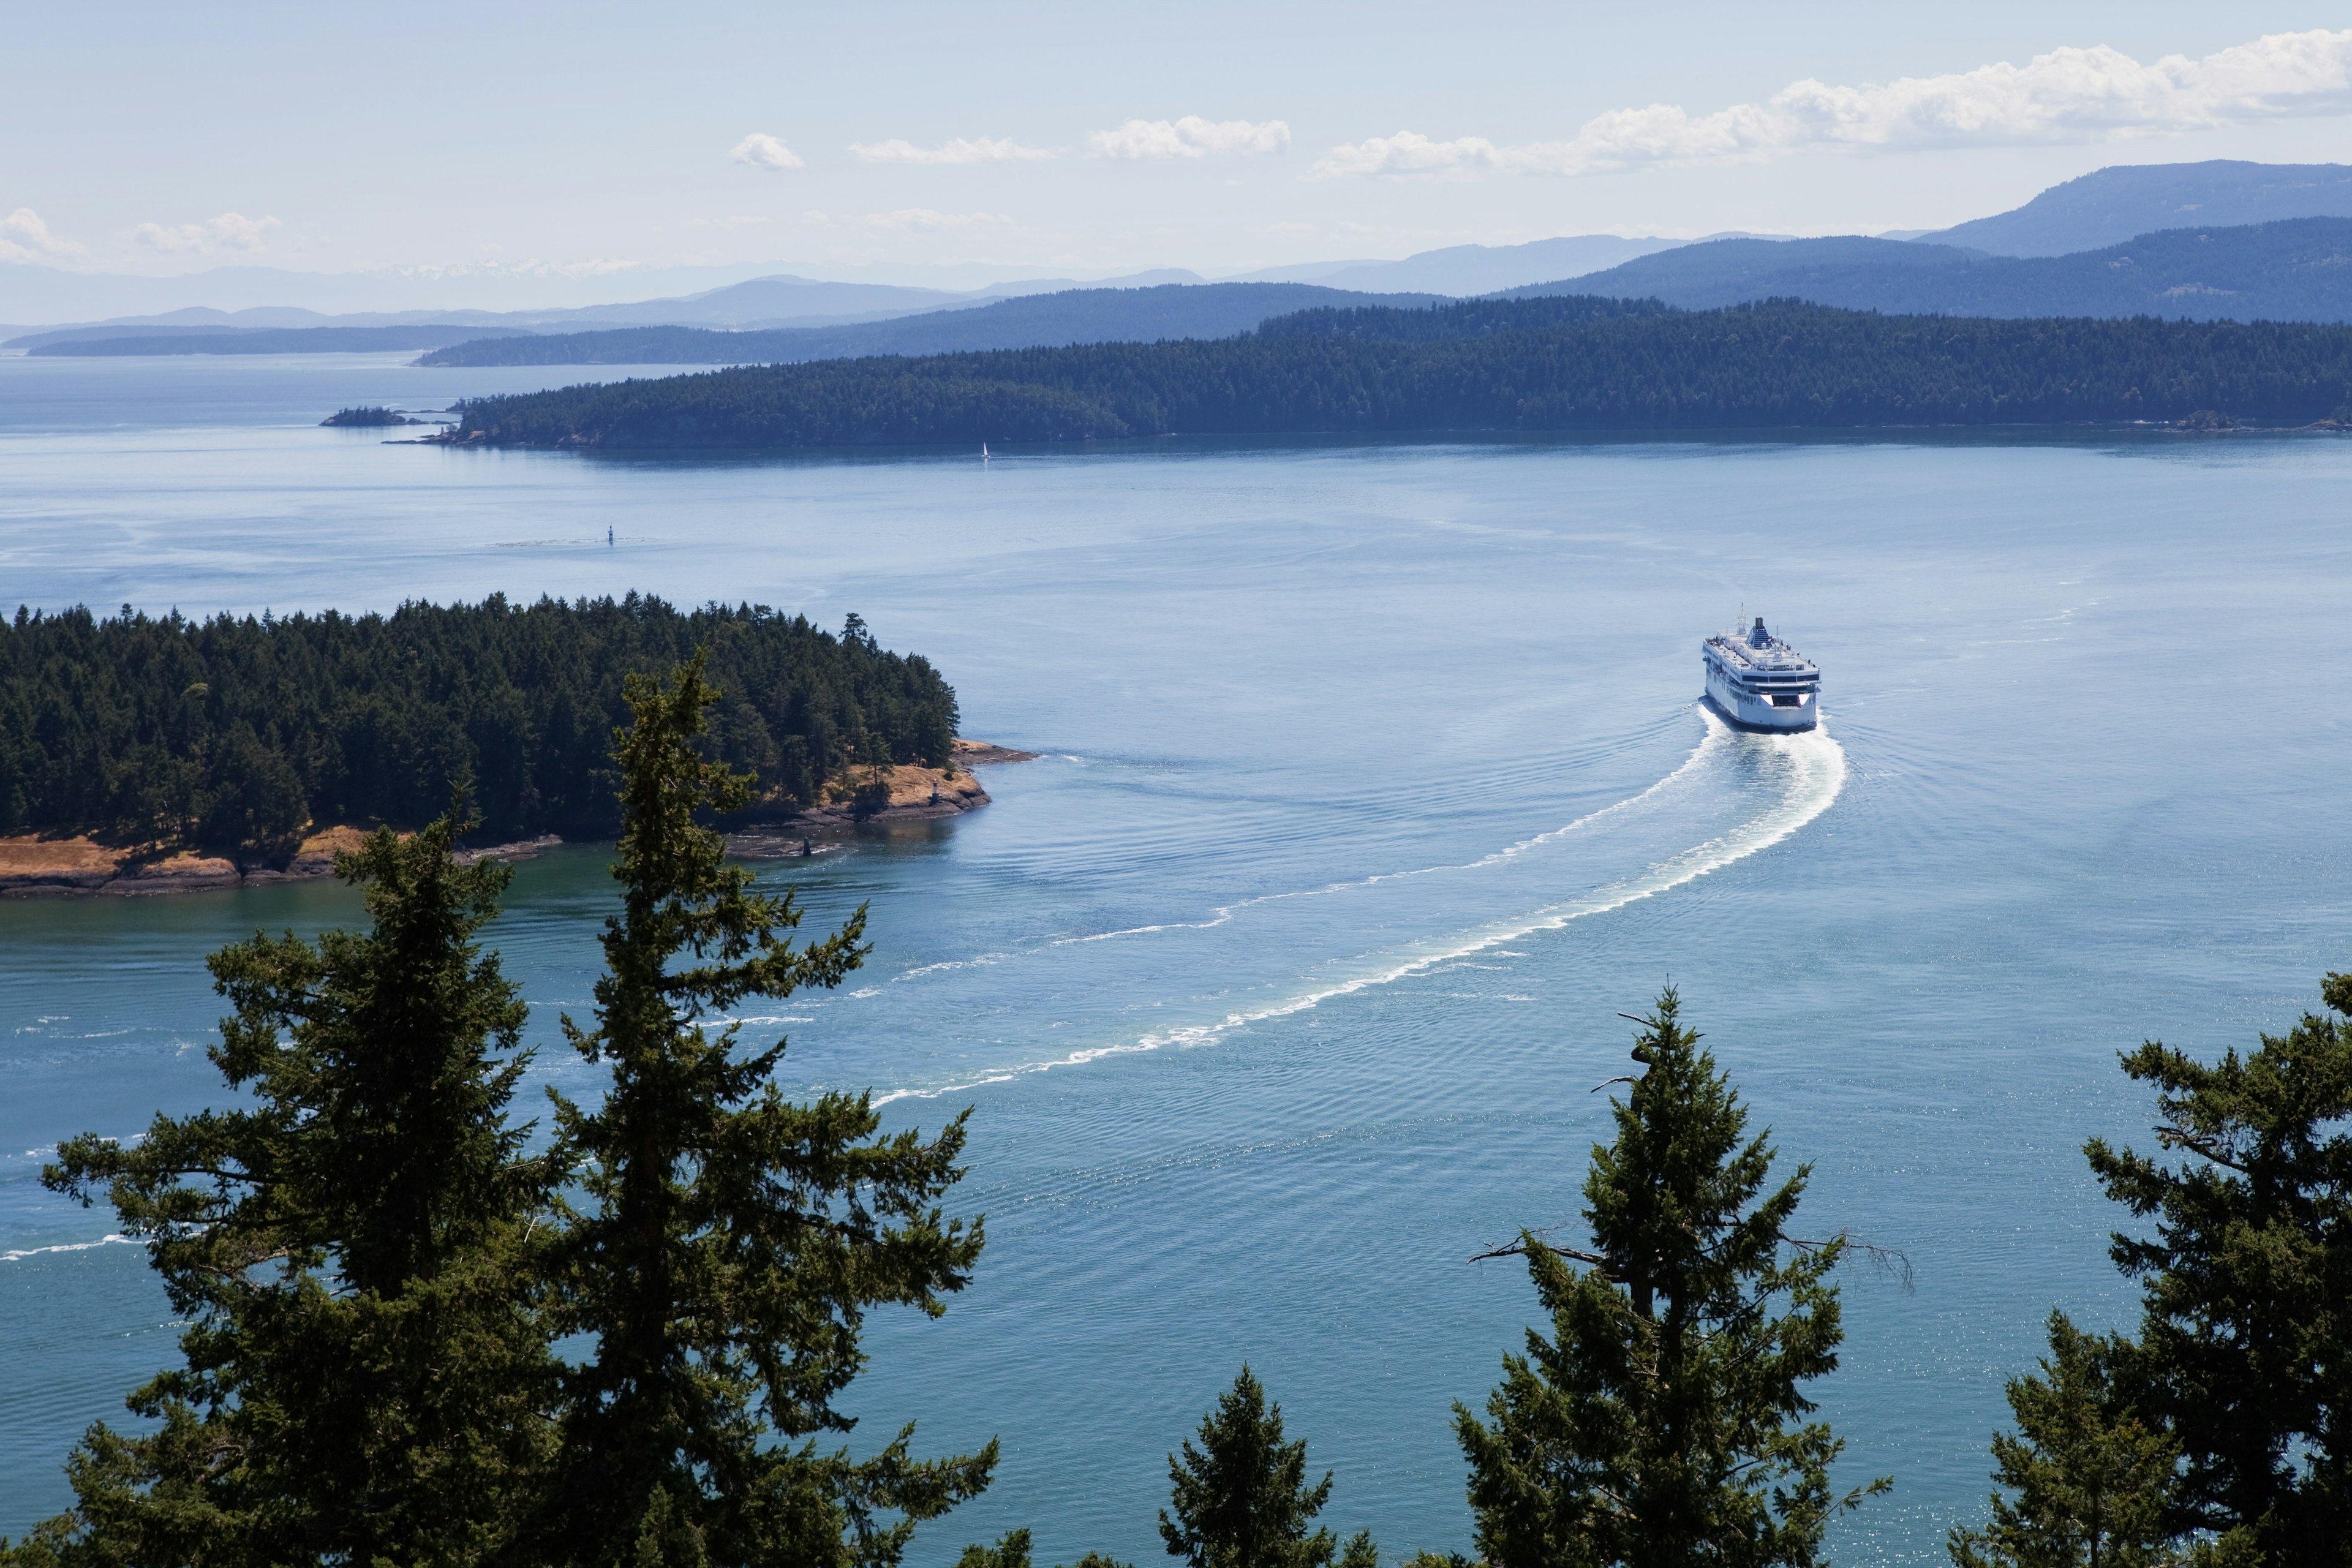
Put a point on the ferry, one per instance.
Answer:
(1759, 682)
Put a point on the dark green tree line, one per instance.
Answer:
(233, 734)
(1550, 364)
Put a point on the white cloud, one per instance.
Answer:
(2069, 95)
(958, 150)
(1192, 137)
(763, 150)
(1407, 152)
(25, 237)
(230, 231)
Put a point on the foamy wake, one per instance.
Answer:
(1710, 744)
(24, 1252)
(1806, 772)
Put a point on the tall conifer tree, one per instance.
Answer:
(1660, 1423)
(2245, 1344)
(1241, 1498)
(366, 1372)
(731, 1240)
(2090, 1482)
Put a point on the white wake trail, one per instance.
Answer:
(24, 1252)
(1717, 732)
(1813, 767)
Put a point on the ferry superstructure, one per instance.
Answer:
(1759, 682)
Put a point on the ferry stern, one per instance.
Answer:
(1759, 682)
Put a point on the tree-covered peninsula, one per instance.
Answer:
(1567, 363)
(232, 735)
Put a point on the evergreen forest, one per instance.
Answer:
(416, 1329)
(233, 734)
(1556, 364)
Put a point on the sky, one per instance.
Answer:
(897, 141)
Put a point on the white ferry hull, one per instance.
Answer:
(1750, 713)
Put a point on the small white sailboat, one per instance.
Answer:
(984, 451)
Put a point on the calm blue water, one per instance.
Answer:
(1373, 790)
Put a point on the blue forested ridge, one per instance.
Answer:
(2292, 270)
(1072, 316)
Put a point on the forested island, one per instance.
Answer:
(1564, 362)
(231, 736)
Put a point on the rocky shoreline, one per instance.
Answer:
(916, 795)
(32, 866)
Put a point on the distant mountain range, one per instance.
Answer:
(1463, 269)
(1042, 320)
(790, 301)
(2299, 270)
(55, 297)
(2296, 271)
(785, 301)
(2116, 205)
(2255, 269)
(104, 343)
(782, 300)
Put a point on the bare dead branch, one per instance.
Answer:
(1519, 1249)
(1891, 1262)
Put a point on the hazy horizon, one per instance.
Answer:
(527, 166)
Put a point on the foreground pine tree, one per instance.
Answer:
(1662, 1423)
(1011, 1551)
(1241, 1499)
(2244, 1353)
(366, 1365)
(2091, 1482)
(731, 1241)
